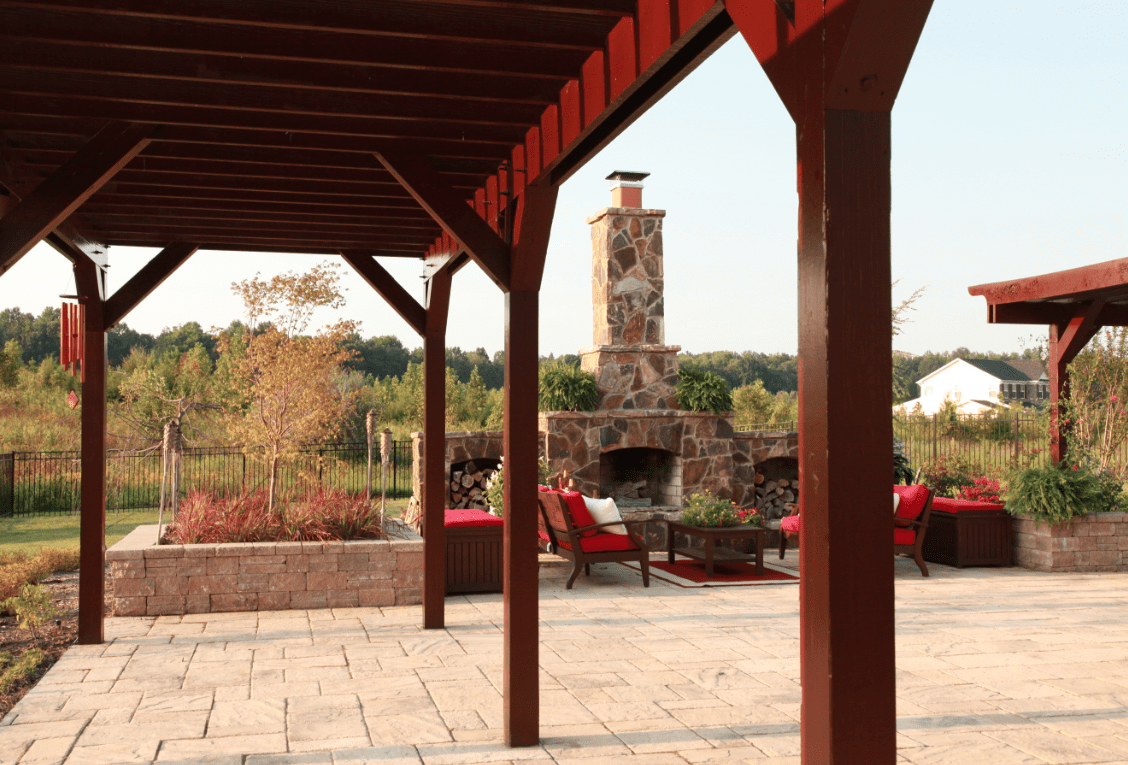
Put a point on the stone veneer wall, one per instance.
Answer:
(151, 580)
(750, 448)
(702, 440)
(460, 446)
(627, 277)
(1096, 542)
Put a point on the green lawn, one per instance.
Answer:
(29, 535)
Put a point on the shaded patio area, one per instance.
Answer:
(993, 665)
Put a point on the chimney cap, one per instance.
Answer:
(630, 176)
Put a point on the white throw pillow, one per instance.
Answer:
(605, 511)
(896, 502)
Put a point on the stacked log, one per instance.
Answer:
(774, 498)
(468, 486)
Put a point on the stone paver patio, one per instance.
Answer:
(1005, 667)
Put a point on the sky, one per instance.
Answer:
(1008, 161)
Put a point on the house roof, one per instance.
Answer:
(1019, 369)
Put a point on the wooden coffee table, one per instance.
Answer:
(711, 552)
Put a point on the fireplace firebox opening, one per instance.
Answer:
(641, 477)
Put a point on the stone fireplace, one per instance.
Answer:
(638, 446)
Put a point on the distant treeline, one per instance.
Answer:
(386, 356)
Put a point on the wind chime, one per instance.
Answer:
(72, 321)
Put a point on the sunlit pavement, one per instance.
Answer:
(995, 666)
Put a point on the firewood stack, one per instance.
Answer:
(468, 486)
(775, 498)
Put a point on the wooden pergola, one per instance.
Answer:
(441, 130)
(1075, 304)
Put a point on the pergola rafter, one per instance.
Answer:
(442, 130)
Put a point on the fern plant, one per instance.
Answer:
(1055, 495)
(699, 390)
(567, 388)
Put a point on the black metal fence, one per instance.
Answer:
(992, 443)
(40, 483)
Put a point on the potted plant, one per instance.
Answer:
(710, 511)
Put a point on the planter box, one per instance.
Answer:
(151, 579)
(966, 535)
(1095, 542)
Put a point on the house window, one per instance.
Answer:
(1022, 391)
(958, 394)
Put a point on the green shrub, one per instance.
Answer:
(1055, 495)
(33, 607)
(700, 391)
(18, 569)
(567, 388)
(947, 475)
(495, 487)
(14, 672)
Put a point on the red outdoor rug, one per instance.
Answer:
(686, 572)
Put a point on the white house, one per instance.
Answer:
(980, 385)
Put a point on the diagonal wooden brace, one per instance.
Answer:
(53, 201)
(424, 183)
(151, 275)
(380, 280)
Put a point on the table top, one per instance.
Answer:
(719, 531)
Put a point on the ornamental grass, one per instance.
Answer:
(315, 517)
(18, 569)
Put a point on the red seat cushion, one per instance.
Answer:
(790, 523)
(904, 536)
(470, 517)
(599, 543)
(912, 501)
(946, 505)
(580, 514)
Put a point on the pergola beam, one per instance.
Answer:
(56, 198)
(386, 285)
(481, 242)
(142, 284)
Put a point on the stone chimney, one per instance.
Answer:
(633, 367)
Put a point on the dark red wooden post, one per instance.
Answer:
(1066, 341)
(837, 68)
(435, 479)
(92, 487)
(521, 682)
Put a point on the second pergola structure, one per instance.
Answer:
(1075, 305)
(442, 129)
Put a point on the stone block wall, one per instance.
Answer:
(460, 447)
(1096, 542)
(750, 448)
(151, 580)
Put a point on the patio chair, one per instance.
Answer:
(910, 523)
(586, 544)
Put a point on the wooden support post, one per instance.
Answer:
(520, 682)
(435, 480)
(534, 211)
(1066, 341)
(838, 68)
(92, 523)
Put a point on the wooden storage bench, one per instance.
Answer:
(473, 551)
(963, 533)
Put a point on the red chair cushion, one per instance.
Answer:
(790, 523)
(946, 505)
(580, 514)
(904, 536)
(600, 543)
(470, 517)
(912, 501)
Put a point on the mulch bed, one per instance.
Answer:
(54, 639)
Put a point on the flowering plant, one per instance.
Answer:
(982, 489)
(710, 511)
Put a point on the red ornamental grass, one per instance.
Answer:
(206, 519)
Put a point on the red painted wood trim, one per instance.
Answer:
(535, 209)
(654, 32)
(550, 133)
(571, 112)
(1075, 282)
(594, 82)
(622, 57)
